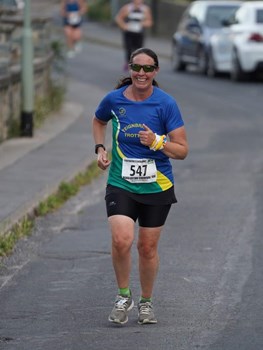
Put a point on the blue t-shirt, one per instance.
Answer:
(160, 113)
(73, 18)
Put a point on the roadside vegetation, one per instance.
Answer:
(65, 191)
(99, 10)
(52, 103)
(43, 108)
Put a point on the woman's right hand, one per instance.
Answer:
(103, 161)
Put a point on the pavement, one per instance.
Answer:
(31, 169)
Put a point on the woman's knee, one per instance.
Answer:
(147, 250)
(148, 242)
(122, 229)
(77, 34)
(122, 245)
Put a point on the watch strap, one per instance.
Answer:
(98, 146)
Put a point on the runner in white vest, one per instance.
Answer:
(132, 19)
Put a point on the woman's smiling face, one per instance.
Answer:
(143, 80)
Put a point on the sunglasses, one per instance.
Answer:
(147, 68)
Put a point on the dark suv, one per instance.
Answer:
(191, 41)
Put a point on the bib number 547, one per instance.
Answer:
(139, 170)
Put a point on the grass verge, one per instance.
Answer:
(22, 229)
(65, 191)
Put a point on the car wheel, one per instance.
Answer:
(177, 63)
(202, 61)
(211, 68)
(237, 74)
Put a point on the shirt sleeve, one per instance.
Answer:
(103, 111)
(172, 116)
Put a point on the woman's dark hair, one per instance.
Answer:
(127, 80)
(147, 52)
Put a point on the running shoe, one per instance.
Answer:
(145, 313)
(78, 47)
(119, 313)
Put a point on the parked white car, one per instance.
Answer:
(191, 40)
(238, 49)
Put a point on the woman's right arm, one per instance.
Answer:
(120, 18)
(99, 132)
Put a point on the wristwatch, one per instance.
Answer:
(98, 146)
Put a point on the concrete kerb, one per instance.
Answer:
(27, 209)
(17, 148)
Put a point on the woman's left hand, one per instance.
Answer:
(147, 136)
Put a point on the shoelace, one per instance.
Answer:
(121, 303)
(145, 308)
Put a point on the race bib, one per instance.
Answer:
(74, 18)
(139, 170)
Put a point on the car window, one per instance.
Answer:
(184, 20)
(197, 11)
(216, 14)
(259, 16)
(191, 15)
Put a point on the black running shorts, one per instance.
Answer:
(121, 202)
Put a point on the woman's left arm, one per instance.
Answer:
(176, 146)
(148, 20)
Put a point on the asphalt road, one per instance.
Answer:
(208, 293)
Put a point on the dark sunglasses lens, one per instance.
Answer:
(148, 68)
(138, 67)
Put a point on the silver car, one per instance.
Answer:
(238, 49)
(200, 21)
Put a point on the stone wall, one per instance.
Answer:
(10, 67)
(10, 92)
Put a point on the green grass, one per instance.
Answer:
(65, 191)
(52, 103)
(99, 10)
(42, 109)
(22, 229)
